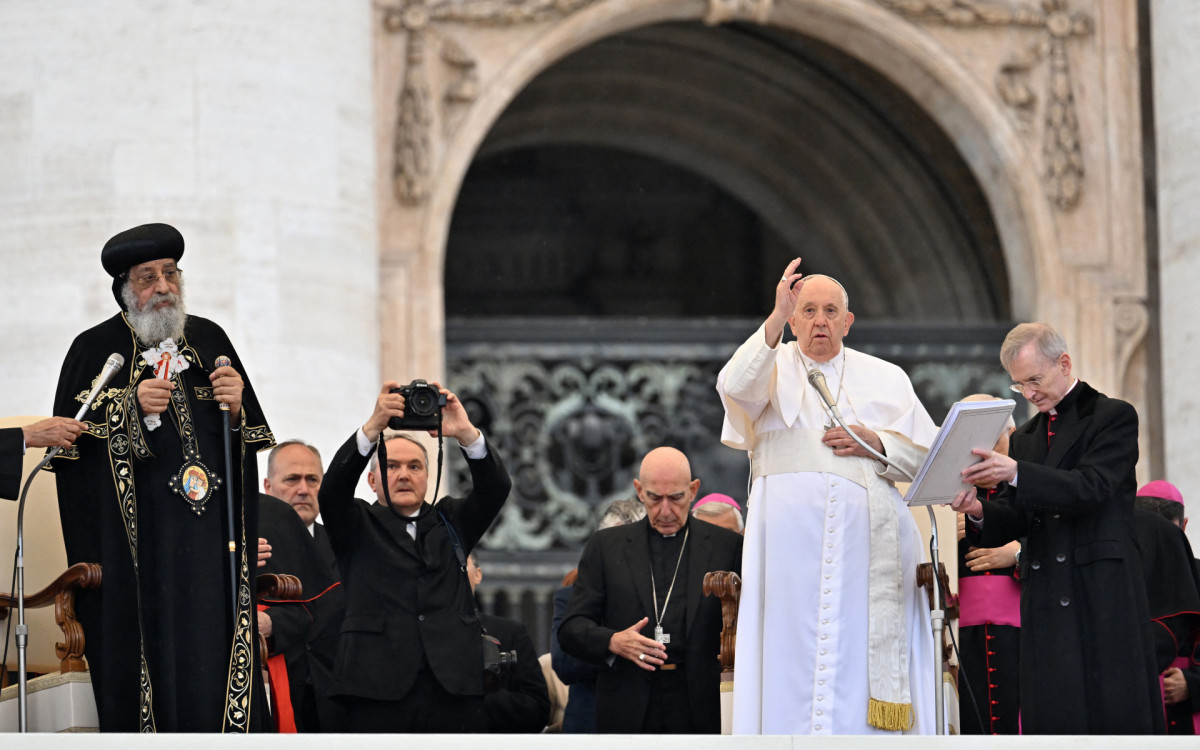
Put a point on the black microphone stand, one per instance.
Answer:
(114, 363)
(22, 627)
(937, 615)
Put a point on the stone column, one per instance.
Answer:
(249, 126)
(1175, 25)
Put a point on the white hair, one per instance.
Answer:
(155, 326)
(845, 294)
(1049, 342)
(713, 510)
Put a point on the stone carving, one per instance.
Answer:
(1055, 25)
(724, 11)
(1131, 321)
(416, 20)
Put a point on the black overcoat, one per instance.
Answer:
(12, 452)
(1087, 666)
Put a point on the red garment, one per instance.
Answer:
(281, 692)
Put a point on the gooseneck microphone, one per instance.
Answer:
(937, 614)
(112, 366)
(817, 378)
(114, 363)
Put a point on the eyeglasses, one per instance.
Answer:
(147, 279)
(1034, 383)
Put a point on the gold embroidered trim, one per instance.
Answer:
(119, 446)
(239, 694)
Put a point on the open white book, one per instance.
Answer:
(969, 425)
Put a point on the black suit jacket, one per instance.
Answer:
(1087, 666)
(524, 705)
(306, 632)
(613, 592)
(12, 461)
(407, 606)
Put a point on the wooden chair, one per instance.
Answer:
(61, 593)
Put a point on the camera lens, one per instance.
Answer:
(423, 402)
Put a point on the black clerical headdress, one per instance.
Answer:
(139, 245)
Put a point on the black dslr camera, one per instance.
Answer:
(423, 406)
(499, 667)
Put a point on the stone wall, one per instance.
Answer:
(246, 125)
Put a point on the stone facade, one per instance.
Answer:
(1042, 100)
(312, 153)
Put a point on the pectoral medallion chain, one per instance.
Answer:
(194, 481)
(659, 635)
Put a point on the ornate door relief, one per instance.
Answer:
(421, 22)
(1052, 25)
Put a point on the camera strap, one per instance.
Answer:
(381, 448)
(462, 564)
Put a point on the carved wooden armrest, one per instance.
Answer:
(275, 587)
(925, 580)
(278, 586)
(62, 594)
(727, 586)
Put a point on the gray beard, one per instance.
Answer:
(155, 326)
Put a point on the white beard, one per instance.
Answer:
(155, 326)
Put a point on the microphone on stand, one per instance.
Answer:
(937, 614)
(114, 363)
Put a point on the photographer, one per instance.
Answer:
(411, 654)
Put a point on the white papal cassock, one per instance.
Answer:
(803, 662)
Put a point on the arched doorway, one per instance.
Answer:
(619, 233)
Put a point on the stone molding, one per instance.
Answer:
(1054, 26)
(990, 74)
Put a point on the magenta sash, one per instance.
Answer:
(989, 600)
(1182, 662)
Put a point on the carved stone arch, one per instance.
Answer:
(960, 104)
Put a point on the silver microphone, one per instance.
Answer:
(817, 378)
(115, 362)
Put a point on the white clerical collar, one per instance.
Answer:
(1054, 409)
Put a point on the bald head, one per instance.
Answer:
(665, 486)
(663, 462)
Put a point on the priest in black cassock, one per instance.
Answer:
(638, 609)
(170, 643)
